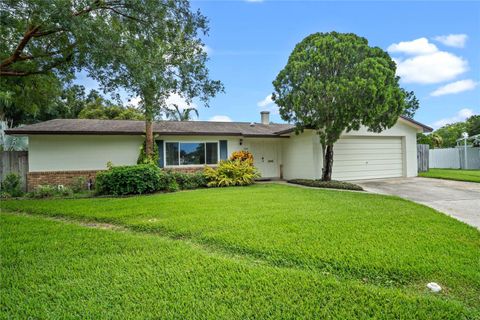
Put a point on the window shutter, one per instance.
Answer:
(223, 150)
(160, 153)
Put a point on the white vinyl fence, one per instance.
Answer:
(453, 158)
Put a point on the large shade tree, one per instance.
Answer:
(152, 48)
(335, 83)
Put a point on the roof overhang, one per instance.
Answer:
(413, 123)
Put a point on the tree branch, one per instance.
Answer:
(34, 32)
(18, 51)
(44, 70)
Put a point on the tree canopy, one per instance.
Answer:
(336, 82)
(447, 135)
(151, 48)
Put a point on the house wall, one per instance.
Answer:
(77, 152)
(302, 155)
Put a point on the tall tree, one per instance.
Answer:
(29, 97)
(335, 83)
(432, 139)
(450, 133)
(473, 125)
(412, 104)
(178, 114)
(152, 48)
(99, 108)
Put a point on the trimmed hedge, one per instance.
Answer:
(327, 184)
(123, 180)
(145, 178)
(187, 181)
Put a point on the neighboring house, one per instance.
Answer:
(60, 150)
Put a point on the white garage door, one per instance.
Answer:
(367, 158)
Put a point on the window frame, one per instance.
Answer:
(190, 141)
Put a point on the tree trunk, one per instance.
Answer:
(327, 163)
(148, 138)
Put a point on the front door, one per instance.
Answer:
(265, 158)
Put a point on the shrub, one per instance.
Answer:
(48, 191)
(4, 195)
(137, 179)
(172, 186)
(242, 156)
(188, 181)
(327, 184)
(79, 184)
(142, 157)
(231, 173)
(11, 185)
(64, 191)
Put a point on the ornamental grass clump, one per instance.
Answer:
(237, 171)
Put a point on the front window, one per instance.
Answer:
(191, 153)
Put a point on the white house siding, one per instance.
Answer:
(303, 158)
(81, 152)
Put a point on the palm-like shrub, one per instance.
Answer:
(231, 173)
(242, 156)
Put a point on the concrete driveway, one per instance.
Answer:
(460, 200)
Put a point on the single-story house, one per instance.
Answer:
(63, 149)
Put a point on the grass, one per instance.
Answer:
(453, 174)
(266, 251)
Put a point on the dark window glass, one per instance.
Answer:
(171, 150)
(192, 153)
(212, 152)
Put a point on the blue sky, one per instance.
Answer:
(436, 46)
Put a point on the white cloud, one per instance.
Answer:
(265, 102)
(173, 99)
(135, 101)
(431, 68)
(461, 115)
(453, 40)
(425, 63)
(414, 47)
(176, 99)
(220, 118)
(455, 87)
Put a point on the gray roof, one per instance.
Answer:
(133, 127)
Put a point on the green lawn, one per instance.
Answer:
(266, 250)
(453, 174)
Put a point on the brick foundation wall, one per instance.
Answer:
(68, 177)
(57, 177)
